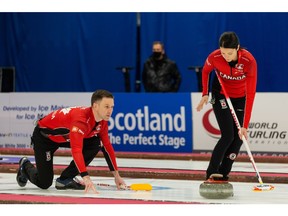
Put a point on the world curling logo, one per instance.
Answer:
(209, 124)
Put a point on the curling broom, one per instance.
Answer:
(262, 186)
(134, 187)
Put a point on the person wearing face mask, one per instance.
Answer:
(237, 69)
(160, 74)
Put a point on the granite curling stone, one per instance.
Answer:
(216, 190)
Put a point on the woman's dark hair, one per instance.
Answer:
(229, 40)
(100, 94)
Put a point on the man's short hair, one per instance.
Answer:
(160, 43)
(99, 95)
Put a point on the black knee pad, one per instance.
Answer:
(45, 185)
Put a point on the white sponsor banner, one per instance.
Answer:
(267, 130)
(20, 111)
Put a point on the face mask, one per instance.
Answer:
(157, 55)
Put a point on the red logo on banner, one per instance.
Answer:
(211, 130)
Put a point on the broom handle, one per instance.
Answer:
(239, 128)
(134, 187)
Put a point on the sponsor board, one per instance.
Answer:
(20, 111)
(154, 122)
(140, 122)
(268, 128)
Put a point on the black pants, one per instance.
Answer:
(42, 175)
(228, 146)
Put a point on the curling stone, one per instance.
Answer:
(216, 189)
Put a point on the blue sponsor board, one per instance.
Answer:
(152, 122)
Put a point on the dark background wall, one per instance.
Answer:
(79, 52)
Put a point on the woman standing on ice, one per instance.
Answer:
(237, 69)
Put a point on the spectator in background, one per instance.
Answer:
(160, 74)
